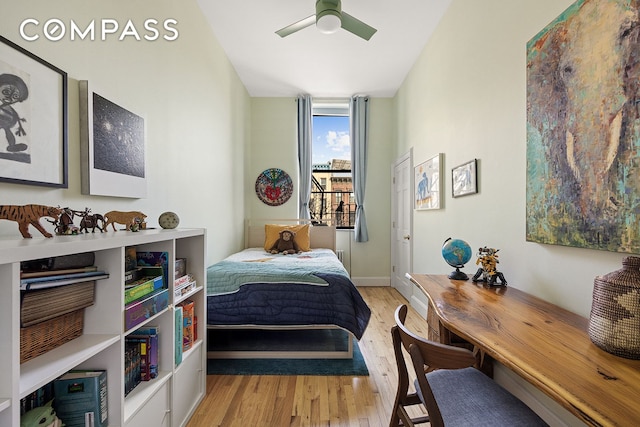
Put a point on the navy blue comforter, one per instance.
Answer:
(338, 303)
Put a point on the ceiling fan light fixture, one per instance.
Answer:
(328, 22)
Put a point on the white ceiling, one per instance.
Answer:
(335, 65)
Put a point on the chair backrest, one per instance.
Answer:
(426, 356)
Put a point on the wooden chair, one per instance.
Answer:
(448, 384)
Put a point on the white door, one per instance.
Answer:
(402, 206)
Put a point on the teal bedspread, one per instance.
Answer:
(255, 265)
(253, 287)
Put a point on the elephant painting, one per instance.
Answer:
(583, 128)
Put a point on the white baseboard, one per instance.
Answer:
(371, 281)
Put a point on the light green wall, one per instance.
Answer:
(196, 113)
(466, 97)
(273, 145)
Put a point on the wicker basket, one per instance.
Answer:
(614, 323)
(45, 336)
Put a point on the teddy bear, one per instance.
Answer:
(286, 244)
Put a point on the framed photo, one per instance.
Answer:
(427, 180)
(112, 147)
(464, 179)
(33, 119)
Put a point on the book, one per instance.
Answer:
(30, 274)
(37, 398)
(178, 335)
(182, 281)
(59, 280)
(154, 348)
(141, 287)
(180, 267)
(61, 262)
(81, 398)
(151, 259)
(188, 308)
(131, 367)
(131, 276)
(142, 309)
(183, 285)
(143, 343)
(130, 259)
(44, 304)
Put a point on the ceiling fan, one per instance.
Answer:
(328, 18)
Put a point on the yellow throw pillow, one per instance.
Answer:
(272, 234)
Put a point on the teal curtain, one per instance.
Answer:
(359, 119)
(304, 154)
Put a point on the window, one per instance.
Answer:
(332, 196)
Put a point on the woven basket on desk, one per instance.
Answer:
(614, 323)
(45, 336)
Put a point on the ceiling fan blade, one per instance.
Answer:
(357, 27)
(297, 26)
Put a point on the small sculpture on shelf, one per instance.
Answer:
(64, 224)
(41, 416)
(488, 272)
(91, 221)
(29, 214)
(130, 220)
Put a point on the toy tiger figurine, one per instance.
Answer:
(29, 214)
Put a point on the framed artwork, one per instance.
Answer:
(427, 193)
(583, 133)
(112, 147)
(33, 119)
(464, 179)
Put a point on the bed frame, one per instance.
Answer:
(321, 236)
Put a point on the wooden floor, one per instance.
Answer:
(274, 401)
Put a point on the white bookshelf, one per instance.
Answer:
(168, 400)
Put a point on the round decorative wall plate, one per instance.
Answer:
(274, 187)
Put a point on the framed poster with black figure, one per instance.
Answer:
(112, 147)
(33, 119)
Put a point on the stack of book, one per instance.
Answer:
(144, 341)
(142, 354)
(49, 290)
(37, 398)
(183, 285)
(146, 290)
(132, 362)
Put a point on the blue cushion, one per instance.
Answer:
(467, 397)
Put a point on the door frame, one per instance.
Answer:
(394, 246)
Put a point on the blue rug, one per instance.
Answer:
(290, 340)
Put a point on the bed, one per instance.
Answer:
(263, 292)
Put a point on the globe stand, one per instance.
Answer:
(458, 275)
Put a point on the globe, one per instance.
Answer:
(456, 253)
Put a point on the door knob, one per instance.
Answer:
(406, 237)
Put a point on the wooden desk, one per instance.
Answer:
(543, 343)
